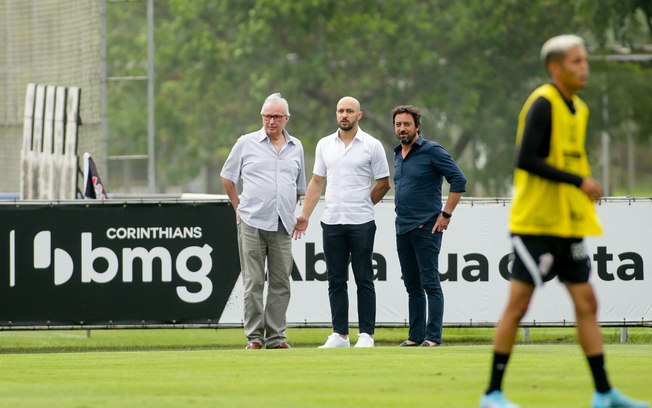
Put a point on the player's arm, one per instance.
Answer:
(380, 189)
(535, 145)
(229, 188)
(454, 176)
(442, 221)
(313, 193)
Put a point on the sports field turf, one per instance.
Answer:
(209, 368)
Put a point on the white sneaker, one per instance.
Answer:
(336, 341)
(364, 340)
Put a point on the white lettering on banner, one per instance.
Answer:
(147, 258)
(475, 264)
(12, 258)
(90, 255)
(154, 232)
(199, 276)
(64, 264)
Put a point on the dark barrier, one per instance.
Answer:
(116, 263)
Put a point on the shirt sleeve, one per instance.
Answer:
(320, 166)
(535, 145)
(232, 168)
(450, 170)
(301, 178)
(379, 164)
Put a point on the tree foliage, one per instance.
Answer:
(469, 66)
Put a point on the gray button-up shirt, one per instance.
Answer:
(271, 181)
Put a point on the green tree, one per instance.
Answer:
(468, 65)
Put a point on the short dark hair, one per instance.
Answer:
(412, 110)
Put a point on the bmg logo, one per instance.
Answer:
(61, 262)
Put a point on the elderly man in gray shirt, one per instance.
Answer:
(270, 166)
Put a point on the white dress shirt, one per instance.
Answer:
(349, 172)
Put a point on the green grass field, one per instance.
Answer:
(210, 368)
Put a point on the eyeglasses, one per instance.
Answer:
(276, 118)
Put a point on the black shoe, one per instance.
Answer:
(406, 344)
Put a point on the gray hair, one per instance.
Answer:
(276, 97)
(556, 47)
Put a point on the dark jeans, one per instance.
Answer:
(342, 243)
(418, 253)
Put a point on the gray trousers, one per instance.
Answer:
(266, 323)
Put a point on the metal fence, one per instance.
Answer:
(47, 42)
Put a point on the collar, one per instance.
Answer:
(569, 102)
(262, 136)
(358, 134)
(416, 143)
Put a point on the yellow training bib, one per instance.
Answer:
(547, 207)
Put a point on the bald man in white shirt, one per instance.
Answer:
(349, 160)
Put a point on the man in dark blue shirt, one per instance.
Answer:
(419, 169)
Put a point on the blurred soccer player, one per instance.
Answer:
(552, 211)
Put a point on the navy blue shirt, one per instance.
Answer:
(418, 180)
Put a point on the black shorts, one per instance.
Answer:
(547, 257)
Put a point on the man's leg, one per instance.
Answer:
(361, 242)
(416, 295)
(279, 268)
(586, 308)
(426, 247)
(519, 300)
(588, 331)
(590, 338)
(336, 254)
(252, 262)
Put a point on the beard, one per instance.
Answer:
(406, 138)
(347, 127)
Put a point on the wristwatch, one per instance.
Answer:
(446, 215)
